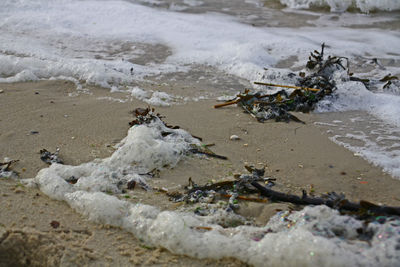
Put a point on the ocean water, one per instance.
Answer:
(230, 43)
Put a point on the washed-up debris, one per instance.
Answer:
(332, 200)
(5, 169)
(303, 96)
(388, 77)
(147, 115)
(132, 184)
(234, 190)
(234, 137)
(389, 81)
(246, 184)
(72, 180)
(204, 228)
(204, 150)
(55, 224)
(50, 158)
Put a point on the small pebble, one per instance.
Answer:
(234, 137)
(18, 190)
(36, 93)
(34, 132)
(246, 145)
(55, 224)
(73, 137)
(301, 166)
(1, 91)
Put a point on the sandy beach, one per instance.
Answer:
(39, 115)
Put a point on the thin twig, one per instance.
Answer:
(254, 199)
(288, 86)
(227, 103)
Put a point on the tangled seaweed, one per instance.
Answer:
(246, 184)
(50, 158)
(234, 190)
(5, 169)
(147, 115)
(308, 91)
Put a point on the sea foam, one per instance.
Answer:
(313, 236)
(75, 41)
(342, 5)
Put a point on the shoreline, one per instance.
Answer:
(85, 128)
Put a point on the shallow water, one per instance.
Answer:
(224, 45)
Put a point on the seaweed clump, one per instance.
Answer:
(256, 183)
(6, 171)
(234, 190)
(50, 158)
(302, 97)
(147, 115)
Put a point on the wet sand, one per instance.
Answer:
(84, 127)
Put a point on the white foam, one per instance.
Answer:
(374, 150)
(352, 95)
(75, 32)
(313, 236)
(144, 149)
(193, 2)
(155, 98)
(343, 5)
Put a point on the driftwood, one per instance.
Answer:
(336, 202)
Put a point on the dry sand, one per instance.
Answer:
(84, 128)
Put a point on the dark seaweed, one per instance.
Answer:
(309, 90)
(50, 158)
